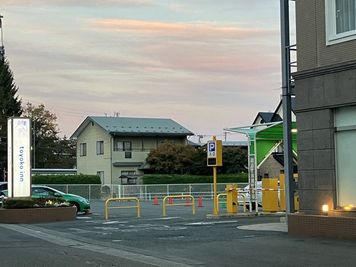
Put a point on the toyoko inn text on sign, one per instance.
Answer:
(19, 157)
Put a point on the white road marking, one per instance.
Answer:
(83, 218)
(210, 223)
(55, 238)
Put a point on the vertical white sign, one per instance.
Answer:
(19, 157)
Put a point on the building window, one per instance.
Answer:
(122, 145)
(128, 177)
(340, 18)
(345, 156)
(100, 147)
(83, 149)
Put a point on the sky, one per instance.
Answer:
(207, 64)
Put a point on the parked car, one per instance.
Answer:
(3, 186)
(42, 191)
(246, 192)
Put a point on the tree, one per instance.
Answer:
(171, 158)
(234, 160)
(49, 151)
(10, 105)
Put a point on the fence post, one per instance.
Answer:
(67, 189)
(89, 192)
(146, 192)
(167, 189)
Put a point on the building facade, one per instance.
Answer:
(325, 88)
(116, 148)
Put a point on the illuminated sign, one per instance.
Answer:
(19, 157)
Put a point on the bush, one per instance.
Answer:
(66, 179)
(190, 179)
(27, 202)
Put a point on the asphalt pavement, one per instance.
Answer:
(179, 239)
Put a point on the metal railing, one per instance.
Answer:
(143, 192)
(191, 203)
(125, 199)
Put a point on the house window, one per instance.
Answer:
(122, 145)
(99, 147)
(340, 18)
(83, 149)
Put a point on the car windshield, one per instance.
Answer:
(45, 191)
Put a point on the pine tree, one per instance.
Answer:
(10, 105)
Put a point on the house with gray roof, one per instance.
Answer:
(116, 148)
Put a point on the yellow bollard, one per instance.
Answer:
(231, 198)
(270, 194)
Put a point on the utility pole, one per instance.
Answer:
(286, 101)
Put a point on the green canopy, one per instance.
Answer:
(265, 138)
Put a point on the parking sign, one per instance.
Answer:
(211, 149)
(214, 153)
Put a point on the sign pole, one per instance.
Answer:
(214, 159)
(215, 193)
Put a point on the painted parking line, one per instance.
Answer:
(209, 223)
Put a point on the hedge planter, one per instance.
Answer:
(37, 215)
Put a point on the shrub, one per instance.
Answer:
(26, 203)
(66, 179)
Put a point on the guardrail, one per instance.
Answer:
(192, 203)
(125, 199)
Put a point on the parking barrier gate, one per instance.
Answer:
(178, 204)
(124, 199)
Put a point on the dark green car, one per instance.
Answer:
(42, 191)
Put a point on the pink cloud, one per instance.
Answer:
(181, 30)
(75, 3)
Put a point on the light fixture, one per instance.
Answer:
(294, 130)
(348, 207)
(325, 208)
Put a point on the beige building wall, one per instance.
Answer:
(312, 50)
(93, 163)
(270, 167)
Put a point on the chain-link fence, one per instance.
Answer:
(144, 192)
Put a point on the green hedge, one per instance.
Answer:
(190, 179)
(66, 179)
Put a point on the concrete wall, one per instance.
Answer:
(311, 38)
(326, 79)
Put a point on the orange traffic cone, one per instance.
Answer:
(200, 202)
(187, 202)
(155, 200)
(170, 200)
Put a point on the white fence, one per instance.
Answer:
(144, 192)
